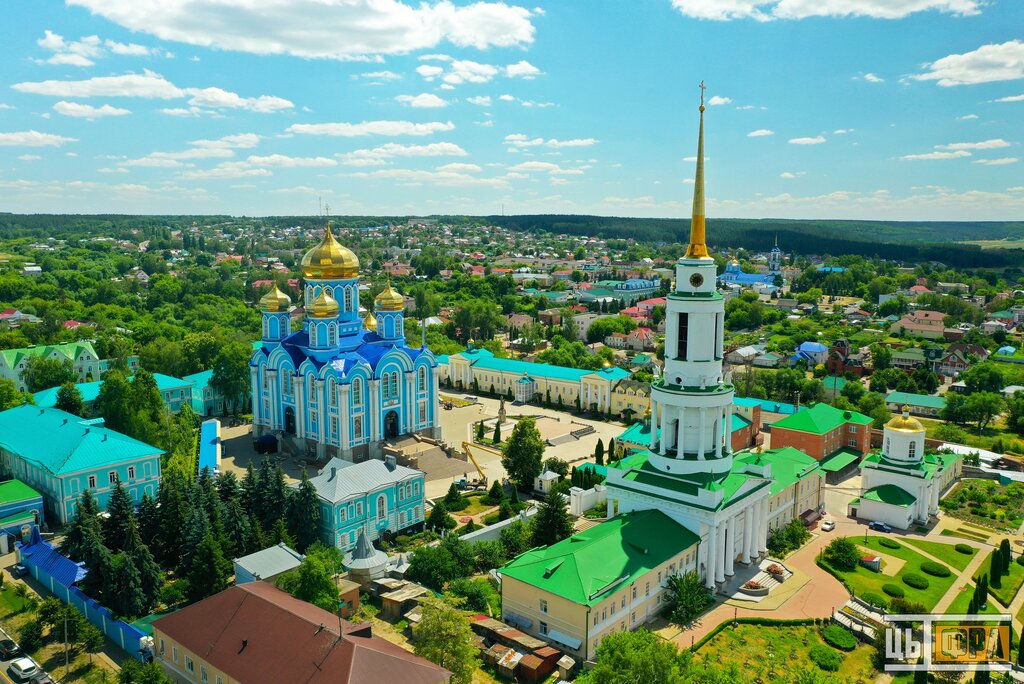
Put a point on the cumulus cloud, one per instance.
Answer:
(226, 171)
(389, 128)
(446, 178)
(349, 29)
(545, 167)
(768, 10)
(760, 133)
(85, 111)
(790, 175)
(522, 69)
(458, 71)
(989, 63)
(379, 76)
(519, 140)
(33, 139)
(460, 167)
(481, 100)
(718, 100)
(290, 162)
(816, 140)
(1002, 161)
(422, 101)
(85, 50)
(992, 144)
(1011, 98)
(936, 155)
(239, 140)
(29, 157)
(377, 155)
(218, 98)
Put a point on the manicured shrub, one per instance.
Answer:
(877, 600)
(840, 638)
(964, 549)
(1020, 560)
(894, 590)
(889, 543)
(934, 569)
(826, 658)
(912, 579)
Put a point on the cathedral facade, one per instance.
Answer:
(343, 384)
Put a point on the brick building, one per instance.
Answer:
(822, 430)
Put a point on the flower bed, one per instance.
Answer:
(752, 588)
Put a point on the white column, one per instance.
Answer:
(748, 530)
(681, 436)
(611, 508)
(374, 413)
(730, 547)
(728, 427)
(710, 555)
(409, 404)
(343, 414)
(321, 421)
(299, 393)
(700, 435)
(718, 435)
(434, 398)
(720, 554)
(257, 398)
(653, 441)
(762, 537)
(663, 441)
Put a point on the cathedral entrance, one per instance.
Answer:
(289, 420)
(391, 425)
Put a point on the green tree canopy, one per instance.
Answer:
(523, 453)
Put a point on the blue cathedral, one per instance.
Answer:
(342, 385)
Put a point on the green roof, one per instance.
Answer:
(70, 350)
(788, 465)
(61, 443)
(90, 391)
(199, 380)
(890, 494)
(14, 491)
(834, 382)
(15, 518)
(912, 354)
(839, 460)
(637, 433)
(820, 419)
(926, 400)
(589, 565)
(739, 422)
(638, 470)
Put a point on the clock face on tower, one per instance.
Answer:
(696, 280)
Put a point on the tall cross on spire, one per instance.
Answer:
(698, 248)
(702, 89)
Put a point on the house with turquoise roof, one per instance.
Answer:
(176, 392)
(206, 401)
(61, 455)
(479, 369)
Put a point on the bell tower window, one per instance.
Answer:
(682, 336)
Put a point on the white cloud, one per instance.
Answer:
(422, 101)
(290, 162)
(507, 98)
(459, 71)
(6, 106)
(967, 117)
(131, 49)
(146, 85)
(993, 62)
(760, 133)
(843, 131)
(79, 52)
(992, 144)
(85, 111)
(1002, 161)
(1010, 98)
(226, 170)
(481, 100)
(429, 71)
(545, 167)
(377, 155)
(522, 69)
(33, 139)
(717, 100)
(218, 98)
(790, 175)
(767, 10)
(438, 177)
(153, 162)
(816, 140)
(379, 76)
(460, 167)
(391, 128)
(870, 78)
(519, 140)
(239, 140)
(29, 157)
(313, 28)
(188, 111)
(936, 155)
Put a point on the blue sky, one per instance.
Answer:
(887, 109)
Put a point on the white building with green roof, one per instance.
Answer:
(86, 363)
(902, 483)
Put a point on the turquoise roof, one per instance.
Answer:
(766, 404)
(60, 443)
(637, 433)
(91, 390)
(545, 370)
(787, 465)
(200, 380)
(913, 399)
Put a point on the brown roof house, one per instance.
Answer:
(257, 633)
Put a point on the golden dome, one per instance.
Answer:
(330, 259)
(734, 262)
(275, 301)
(388, 300)
(905, 422)
(324, 306)
(370, 322)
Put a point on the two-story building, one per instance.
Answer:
(176, 392)
(375, 496)
(206, 401)
(61, 455)
(610, 578)
(822, 430)
(81, 355)
(796, 485)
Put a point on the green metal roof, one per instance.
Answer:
(638, 470)
(70, 350)
(834, 382)
(637, 433)
(90, 391)
(820, 419)
(199, 381)
(926, 400)
(15, 518)
(588, 566)
(890, 494)
(14, 491)
(839, 460)
(788, 465)
(545, 370)
(60, 443)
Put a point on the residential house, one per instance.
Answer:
(833, 385)
(176, 392)
(845, 358)
(583, 321)
(640, 339)
(13, 318)
(947, 288)
(266, 564)
(952, 364)
(550, 317)
(206, 401)
(741, 356)
(375, 496)
(254, 633)
(922, 323)
(397, 269)
(649, 304)
(909, 359)
(918, 404)
(84, 360)
(822, 430)
(812, 353)
(62, 455)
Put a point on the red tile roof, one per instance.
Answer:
(255, 632)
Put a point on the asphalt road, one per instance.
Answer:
(5, 676)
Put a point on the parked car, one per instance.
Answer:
(9, 650)
(828, 526)
(879, 526)
(23, 669)
(19, 570)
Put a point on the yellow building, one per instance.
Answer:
(796, 490)
(607, 579)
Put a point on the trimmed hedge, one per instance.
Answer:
(826, 658)
(912, 579)
(889, 543)
(877, 599)
(1020, 560)
(894, 590)
(964, 549)
(840, 638)
(935, 569)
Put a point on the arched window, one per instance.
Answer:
(385, 384)
(332, 392)
(423, 379)
(311, 388)
(912, 450)
(382, 506)
(348, 299)
(394, 384)
(332, 335)
(357, 392)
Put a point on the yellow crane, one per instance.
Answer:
(468, 447)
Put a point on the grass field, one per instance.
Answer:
(944, 552)
(963, 600)
(771, 653)
(1009, 584)
(964, 533)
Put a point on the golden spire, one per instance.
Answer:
(698, 249)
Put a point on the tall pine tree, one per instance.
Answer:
(210, 571)
(304, 514)
(553, 523)
(150, 577)
(85, 523)
(120, 515)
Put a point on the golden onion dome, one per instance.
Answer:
(370, 322)
(388, 300)
(905, 422)
(324, 306)
(329, 260)
(275, 301)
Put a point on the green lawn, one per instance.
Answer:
(963, 600)
(944, 552)
(771, 653)
(1009, 584)
(964, 534)
(862, 580)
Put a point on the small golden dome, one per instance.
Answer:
(275, 301)
(370, 322)
(330, 259)
(324, 306)
(905, 422)
(734, 262)
(388, 300)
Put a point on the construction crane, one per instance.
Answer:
(481, 482)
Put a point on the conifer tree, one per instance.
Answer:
(125, 596)
(210, 571)
(1006, 555)
(148, 518)
(553, 523)
(439, 520)
(480, 431)
(496, 437)
(250, 491)
(139, 555)
(120, 515)
(279, 534)
(995, 569)
(239, 539)
(99, 563)
(85, 522)
(228, 487)
(599, 452)
(173, 512)
(304, 515)
(197, 527)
